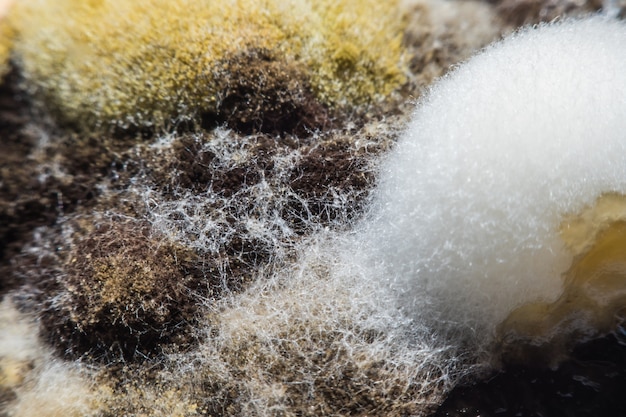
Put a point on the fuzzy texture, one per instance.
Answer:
(303, 341)
(212, 272)
(124, 292)
(440, 34)
(136, 64)
(526, 12)
(6, 41)
(32, 381)
(465, 221)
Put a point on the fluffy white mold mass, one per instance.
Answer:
(470, 217)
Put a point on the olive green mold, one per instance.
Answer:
(150, 62)
(6, 44)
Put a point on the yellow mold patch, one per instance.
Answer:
(6, 43)
(594, 296)
(6, 37)
(141, 63)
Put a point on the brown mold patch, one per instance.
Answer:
(527, 12)
(327, 182)
(122, 293)
(340, 381)
(44, 173)
(195, 167)
(26, 202)
(137, 390)
(330, 182)
(320, 182)
(259, 93)
(227, 184)
(16, 208)
(440, 34)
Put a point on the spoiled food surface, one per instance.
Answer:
(208, 267)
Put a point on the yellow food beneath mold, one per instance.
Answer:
(594, 295)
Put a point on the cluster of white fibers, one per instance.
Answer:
(41, 384)
(202, 220)
(465, 220)
(313, 339)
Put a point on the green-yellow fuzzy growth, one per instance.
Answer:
(6, 44)
(122, 63)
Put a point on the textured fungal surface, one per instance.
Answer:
(6, 43)
(256, 65)
(243, 208)
(525, 12)
(32, 380)
(500, 206)
(122, 292)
